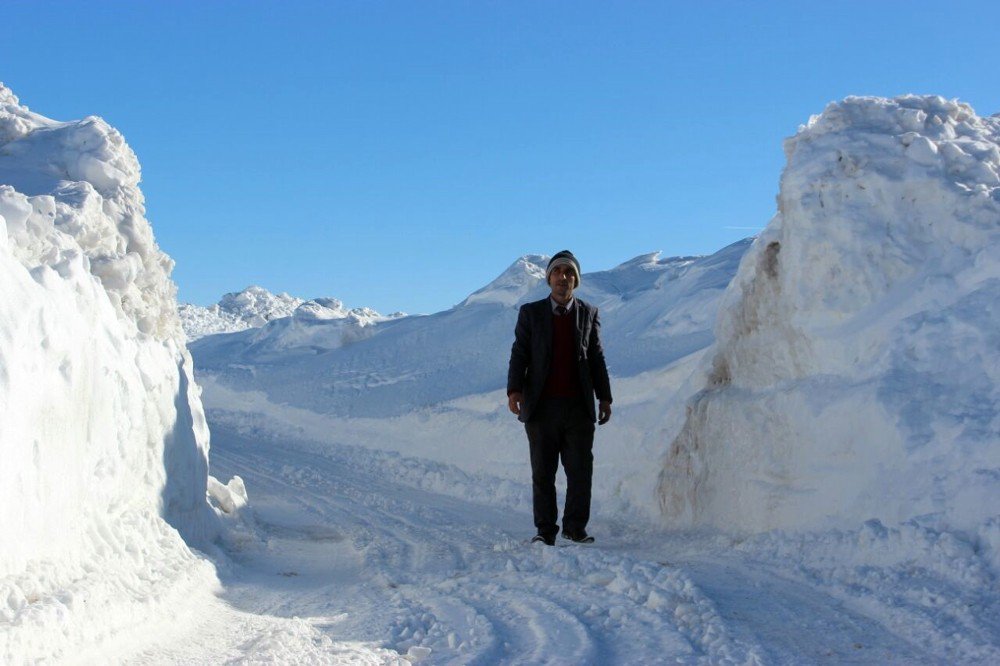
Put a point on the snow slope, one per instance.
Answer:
(655, 312)
(432, 386)
(102, 430)
(856, 374)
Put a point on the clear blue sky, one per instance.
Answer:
(400, 155)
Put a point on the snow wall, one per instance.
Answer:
(857, 360)
(102, 432)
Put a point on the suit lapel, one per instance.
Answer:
(578, 327)
(546, 312)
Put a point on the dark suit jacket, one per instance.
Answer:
(531, 355)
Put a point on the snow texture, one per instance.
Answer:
(856, 374)
(364, 365)
(378, 506)
(236, 311)
(102, 432)
(844, 409)
(255, 306)
(432, 386)
(425, 559)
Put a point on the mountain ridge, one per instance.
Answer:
(653, 312)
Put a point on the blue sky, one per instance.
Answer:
(400, 155)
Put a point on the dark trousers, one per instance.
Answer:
(561, 428)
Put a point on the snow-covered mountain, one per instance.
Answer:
(857, 369)
(236, 311)
(104, 440)
(654, 312)
(433, 386)
(255, 306)
(514, 284)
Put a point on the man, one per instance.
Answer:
(556, 368)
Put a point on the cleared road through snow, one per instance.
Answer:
(372, 568)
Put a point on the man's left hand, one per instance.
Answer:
(603, 412)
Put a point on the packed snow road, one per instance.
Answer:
(375, 570)
(417, 572)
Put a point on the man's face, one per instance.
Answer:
(562, 282)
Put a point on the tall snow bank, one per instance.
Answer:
(102, 431)
(856, 369)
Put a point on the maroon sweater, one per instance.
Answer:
(564, 375)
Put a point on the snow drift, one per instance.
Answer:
(856, 370)
(102, 430)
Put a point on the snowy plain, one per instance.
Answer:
(803, 464)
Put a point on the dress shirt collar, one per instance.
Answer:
(568, 306)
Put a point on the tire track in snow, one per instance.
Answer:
(555, 634)
(455, 576)
(787, 617)
(657, 608)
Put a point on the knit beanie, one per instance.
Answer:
(564, 258)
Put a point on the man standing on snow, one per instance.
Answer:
(556, 368)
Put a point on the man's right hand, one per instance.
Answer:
(514, 400)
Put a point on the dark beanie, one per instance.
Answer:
(564, 258)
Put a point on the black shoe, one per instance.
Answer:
(578, 537)
(544, 538)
